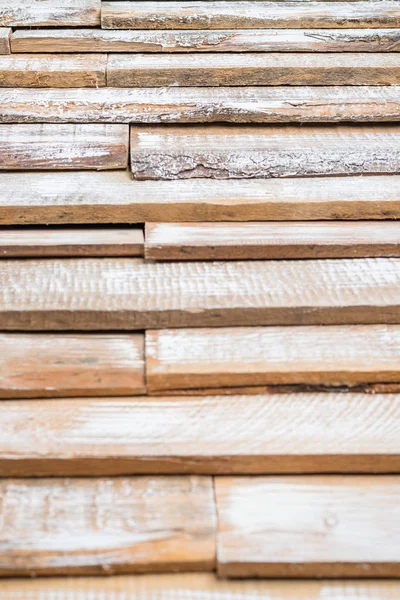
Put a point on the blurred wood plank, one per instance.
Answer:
(46, 366)
(5, 33)
(338, 526)
(105, 526)
(51, 13)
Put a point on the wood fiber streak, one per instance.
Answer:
(105, 526)
(46, 366)
(50, 13)
(5, 33)
(338, 526)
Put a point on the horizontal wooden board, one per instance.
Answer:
(338, 526)
(23, 243)
(132, 294)
(239, 152)
(53, 13)
(248, 14)
(5, 33)
(255, 434)
(111, 197)
(105, 526)
(330, 356)
(53, 70)
(46, 366)
(270, 68)
(274, 240)
(64, 147)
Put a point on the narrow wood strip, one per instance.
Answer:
(238, 152)
(46, 366)
(248, 14)
(105, 526)
(259, 434)
(338, 526)
(302, 239)
(5, 33)
(271, 68)
(66, 147)
(132, 294)
(330, 356)
(51, 13)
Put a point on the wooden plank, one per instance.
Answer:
(111, 197)
(66, 147)
(105, 526)
(301, 239)
(338, 526)
(53, 70)
(239, 152)
(23, 243)
(270, 68)
(248, 14)
(211, 435)
(329, 356)
(132, 294)
(46, 366)
(51, 13)
(5, 33)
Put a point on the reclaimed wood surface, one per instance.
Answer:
(105, 526)
(254, 434)
(51, 13)
(251, 356)
(337, 526)
(48, 365)
(249, 14)
(64, 147)
(274, 240)
(240, 152)
(5, 33)
(132, 294)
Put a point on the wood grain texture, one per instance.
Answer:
(46, 366)
(132, 294)
(248, 14)
(53, 70)
(254, 434)
(301, 239)
(330, 356)
(5, 33)
(51, 13)
(105, 526)
(338, 526)
(239, 152)
(23, 243)
(270, 68)
(64, 147)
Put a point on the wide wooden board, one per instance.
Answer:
(274, 240)
(105, 526)
(253, 356)
(132, 294)
(51, 13)
(5, 33)
(239, 152)
(64, 147)
(48, 365)
(338, 526)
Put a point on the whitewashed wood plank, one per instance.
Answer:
(53, 13)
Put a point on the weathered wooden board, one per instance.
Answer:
(64, 147)
(338, 526)
(132, 294)
(111, 197)
(5, 33)
(53, 70)
(46, 366)
(52, 13)
(273, 240)
(239, 152)
(23, 243)
(93, 526)
(257, 68)
(330, 356)
(249, 14)
(255, 434)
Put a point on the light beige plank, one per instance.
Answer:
(339, 526)
(105, 526)
(50, 13)
(65, 147)
(46, 366)
(238, 152)
(328, 356)
(5, 33)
